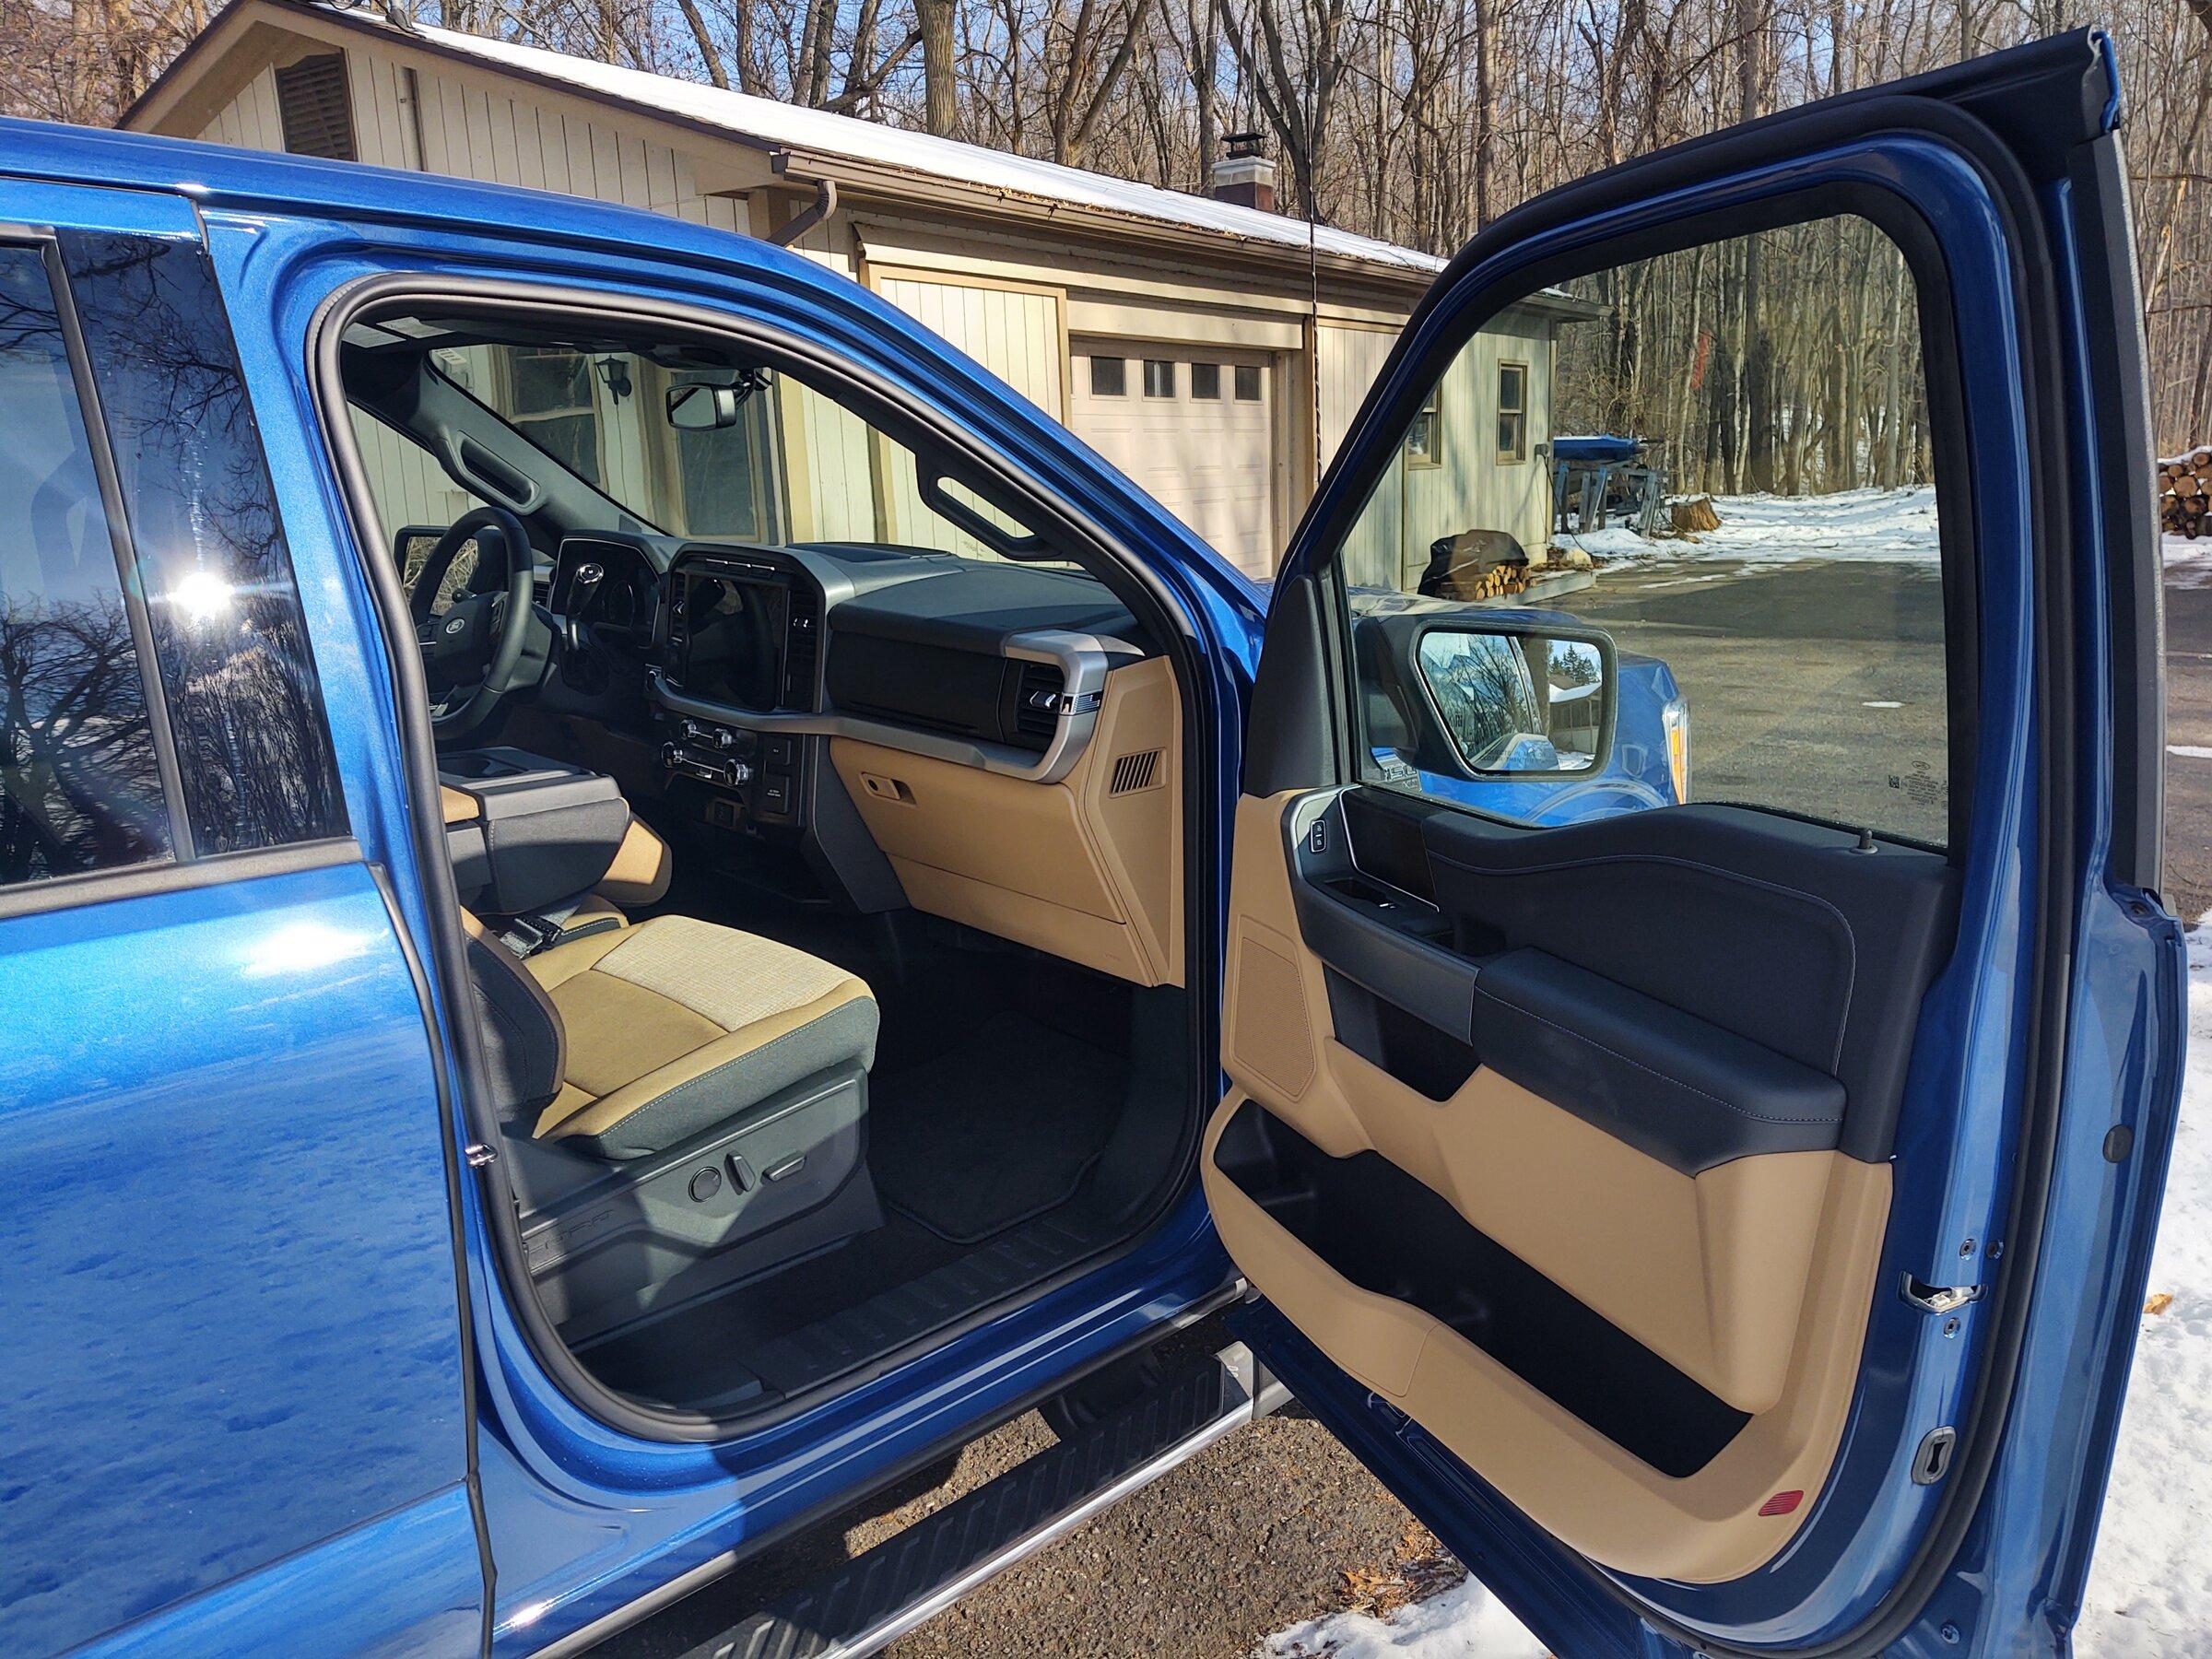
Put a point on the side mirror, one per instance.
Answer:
(1523, 697)
(700, 408)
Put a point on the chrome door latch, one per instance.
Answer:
(1937, 1298)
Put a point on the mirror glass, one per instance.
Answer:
(1515, 702)
(699, 407)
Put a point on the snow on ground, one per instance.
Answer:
(2188, 563)
(2150, 1583)
(1892, 526)
(2149, 1593)
(1463, 1622)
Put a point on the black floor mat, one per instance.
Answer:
(994, 1131)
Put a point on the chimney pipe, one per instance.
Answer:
(1244, 175)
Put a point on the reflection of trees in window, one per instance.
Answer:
(257, 767)
(79, 789)
(79, 783)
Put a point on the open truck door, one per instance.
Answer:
(1721, 1213)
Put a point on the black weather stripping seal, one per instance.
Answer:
(880, 1596)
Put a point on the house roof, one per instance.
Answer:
(821, 132)
(817, 143)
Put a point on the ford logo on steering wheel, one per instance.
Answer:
(455, 624)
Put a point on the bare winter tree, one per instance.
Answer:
(1417, 121)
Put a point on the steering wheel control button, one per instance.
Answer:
(705, 1184)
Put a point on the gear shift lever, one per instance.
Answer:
(589, 575)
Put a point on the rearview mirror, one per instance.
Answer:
(1516, 697)
(699, 407)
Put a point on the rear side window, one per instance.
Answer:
(80, 782)
(210, 558)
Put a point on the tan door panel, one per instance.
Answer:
(1724, 1274)
(1567, 1477)
(1088, 868)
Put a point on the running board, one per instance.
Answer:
(878, 1596)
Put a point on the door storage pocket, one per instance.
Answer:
(1387, 1235)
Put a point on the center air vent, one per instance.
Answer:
(1036, 694)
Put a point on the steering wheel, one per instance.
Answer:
(470, 652)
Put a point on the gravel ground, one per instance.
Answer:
(1255, 1533)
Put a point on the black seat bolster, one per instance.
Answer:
(1676, 1088)
(520, 1034)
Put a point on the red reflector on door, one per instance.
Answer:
(1782, 1504)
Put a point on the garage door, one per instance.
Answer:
(1197, 428)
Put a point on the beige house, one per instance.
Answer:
(1215, 351)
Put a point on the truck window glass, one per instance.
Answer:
(80, 785)
(257, 769)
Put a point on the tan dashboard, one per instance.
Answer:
(1088, 868)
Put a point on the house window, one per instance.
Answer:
(1206, 381)
(549, 401)
(1248, 382)
(1512, 413)
(316, 109)
(1423, 447)
(1109, 377)
(1159, 376)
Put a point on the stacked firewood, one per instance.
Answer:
(1500, 581)
(2185, 493)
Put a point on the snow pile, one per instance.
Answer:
(1891, 526)
(2150, 1583)
(1463, 1622)
(2188, 563)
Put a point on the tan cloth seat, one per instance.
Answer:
(676, 1025)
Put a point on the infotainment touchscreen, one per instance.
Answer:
(732, 638)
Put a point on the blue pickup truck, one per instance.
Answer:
(548, 1054)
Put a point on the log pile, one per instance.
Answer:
(2185, 493)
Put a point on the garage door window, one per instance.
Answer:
(1725, 584)
(1248, 382)
(1109, 377)
(1159, 376)
(1205, 381)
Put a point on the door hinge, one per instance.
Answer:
(479, 1154)
(1937, 1298)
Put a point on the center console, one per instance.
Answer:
(741, 644)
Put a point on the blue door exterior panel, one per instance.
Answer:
(583, 1519)
(233, 1331)
(404, 1586)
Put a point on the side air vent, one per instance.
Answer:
(802, 646)
(316, 108)
(1036, 704)
(1133, 772)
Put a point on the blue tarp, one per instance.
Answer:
(1603, 447)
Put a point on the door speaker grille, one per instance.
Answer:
(1274, 1039)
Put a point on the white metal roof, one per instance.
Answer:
(765, 121)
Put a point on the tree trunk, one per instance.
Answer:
(939, 88)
